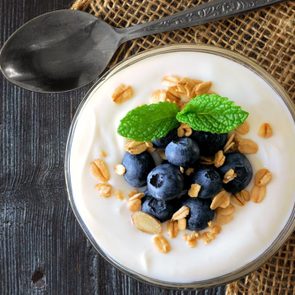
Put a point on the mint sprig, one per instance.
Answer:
(208, 112)
(212, 113)
(149, 122)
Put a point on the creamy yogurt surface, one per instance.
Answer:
(254, 227)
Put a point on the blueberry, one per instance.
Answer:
(165, 182)
(162, 210)
(162, 142)
(200, 213)
(209, 180)
(242, 167)
(209, 143)
(182, 152)
(137, 168)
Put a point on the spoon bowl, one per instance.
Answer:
(58, 51)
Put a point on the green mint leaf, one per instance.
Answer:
(149, 122)
(212, 113)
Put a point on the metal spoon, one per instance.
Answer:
(66, 49)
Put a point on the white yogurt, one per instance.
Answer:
(254, 227)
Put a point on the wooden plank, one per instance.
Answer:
(43, 249)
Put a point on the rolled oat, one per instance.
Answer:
(184, 130)
(120, 169)
(104, 189)
(257, 193)
(172, 227)
(247, 146)
(181, 213)
(262, 177)
(162, 244)
(241, 198)
(135, 147)
(229, 176)
(134, 205)
(182, 224)
(194, 190)
(219, 159)
(243, 129)
(265, 130)
(229, 210)
(222, 199)
(137, 195)
(202, 88)
(122, 93)
(146, 223)
(159, 95)
(119, 195)
(100, 170)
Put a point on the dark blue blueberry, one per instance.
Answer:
(182, 152)
(165, 182)
(242, 167)
(137, 168)
(162, 210)
(209, 143)
(209, 180)
(200, 213)
(162, 142)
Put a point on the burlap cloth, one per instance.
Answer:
(266, 36)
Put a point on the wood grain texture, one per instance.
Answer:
(43, 249)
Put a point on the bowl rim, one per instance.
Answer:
(220, 280)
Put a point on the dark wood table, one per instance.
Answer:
(42, 248)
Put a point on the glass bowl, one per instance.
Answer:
(249, 267)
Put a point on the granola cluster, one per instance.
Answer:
(180, 90)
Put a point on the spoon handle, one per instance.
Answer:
(201, 14)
